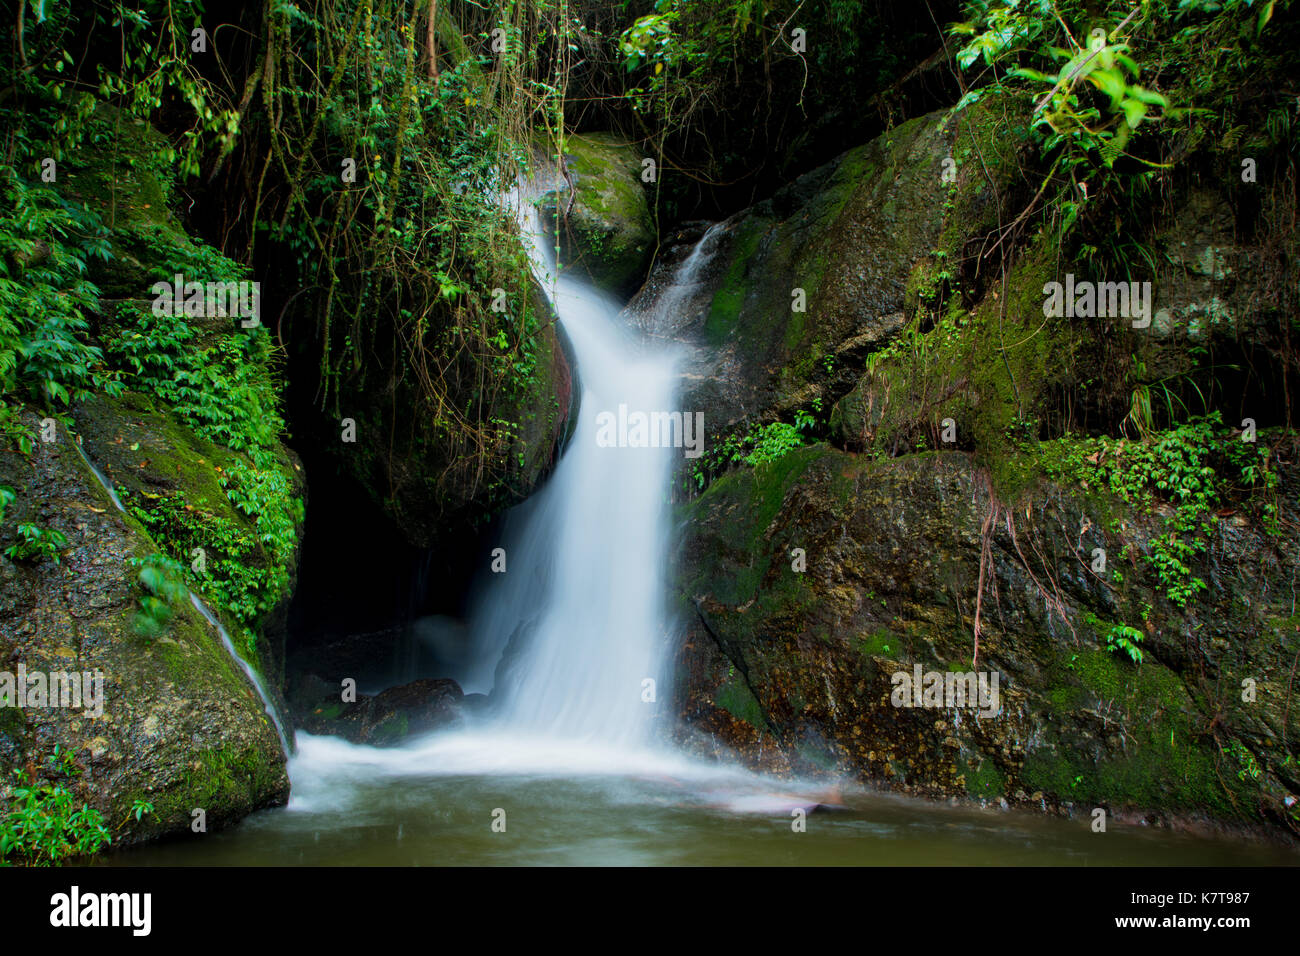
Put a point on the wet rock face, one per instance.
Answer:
(181, 727)
(385, 719)
(795, 669)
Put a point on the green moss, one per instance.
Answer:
(880, 643)
(983, 779)
(1164, 760)
(390, 730)
(215, 780)
(609, 233)
(736, 699)
(171, 480)
(724, 310)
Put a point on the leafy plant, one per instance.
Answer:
(44, 826)
(162, 588)
(1124, 638)
(39, 543)
(45, 243)
(1191, 466)
(139, 809)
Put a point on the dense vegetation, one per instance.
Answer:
(352, 152)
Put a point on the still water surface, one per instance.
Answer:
(433, 804)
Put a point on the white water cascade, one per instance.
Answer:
(593, 632)
(569, 635)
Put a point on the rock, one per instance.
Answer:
(861, 241)
(423, 479)
(772, 658)
(173, 477)
(181, 726)
(390, 717)
(606, 232)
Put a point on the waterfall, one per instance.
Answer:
(570, 633)
(268, 703)
(247, 668)
(583, 591)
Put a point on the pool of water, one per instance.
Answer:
(436, 802)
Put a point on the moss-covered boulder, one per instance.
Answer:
(786, 299)
(181, 727)
(188, 432)
(194, 444)
(431, 472)
(809, 582)
(600, 215)
(179, 486)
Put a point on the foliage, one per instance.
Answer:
(1192, 466)
(141, 58)
(44, 826)
(816, 76)
(1080, 70)
(221, 386)
(1122, 637)
(140, 808)
(45, 244)
(416, 245)
(759, 445)
(162, 588)
(36, 542)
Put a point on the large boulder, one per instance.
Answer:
(789, 656)
(212, 504)
(181, 726)
(784, 300)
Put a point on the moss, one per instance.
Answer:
(880, 643)
(332, 711)
(609, 233)
(390, 730)
(169, 479)
(1163, 761)
(215, 780)
(736, 699)
(983, 779)
(724, 310)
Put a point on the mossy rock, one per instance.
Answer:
(895, 549)
(171, 480)
(800, 289)
(604, 226)
(181, 726)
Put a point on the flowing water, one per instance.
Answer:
(568, 769)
